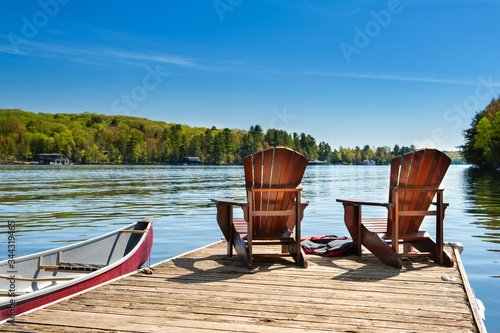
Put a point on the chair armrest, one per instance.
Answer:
(356, 202)
(228, 201)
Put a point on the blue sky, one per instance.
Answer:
(347, 72)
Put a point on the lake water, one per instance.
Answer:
(54, 205)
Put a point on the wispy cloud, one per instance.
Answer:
(394, 77)
(105, 56)
(7, 49)
(160, 58)
(97, 55)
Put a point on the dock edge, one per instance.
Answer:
(476, 313)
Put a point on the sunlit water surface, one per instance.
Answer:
(56, 205)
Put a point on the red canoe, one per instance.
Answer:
(34, 281)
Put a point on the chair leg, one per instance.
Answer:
(242, 251)
(352, 220)
(439, 258)
(429, 245)
(229, 249)
(379, 248)
(298, 256)
(362, 236)
(225, 221)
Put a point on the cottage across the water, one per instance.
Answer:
(53, 158)
(192, 161)
(316, 162)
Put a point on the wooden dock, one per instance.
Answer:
(204, 290)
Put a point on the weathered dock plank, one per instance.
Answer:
(205, 291)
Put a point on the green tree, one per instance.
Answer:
(230, 145)
(219, 152)
(195, 147)
(114, 155)
(247, 145)
(348, 156)
(325, 151)
(482, 139)
(207, 146)
(336, 157)
(395, 150)
(258, 137)
(133, 149)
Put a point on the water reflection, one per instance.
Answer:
(483, 194)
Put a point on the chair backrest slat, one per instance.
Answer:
(271, 168)
(294, 178)
(407, 200)
(274, 198)
(267, 167)
(422, 200)
(405, 169)
(419, 169)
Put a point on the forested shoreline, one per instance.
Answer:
(89, 138)
(482, 140)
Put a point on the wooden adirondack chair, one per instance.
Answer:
(273, 186)
(414, 183)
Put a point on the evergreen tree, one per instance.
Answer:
(247, 145)
(325, 151)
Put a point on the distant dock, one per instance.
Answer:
(204, 291)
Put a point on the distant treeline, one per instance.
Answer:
(482, 140)
(89, 138)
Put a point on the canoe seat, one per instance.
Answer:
(71, 266)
